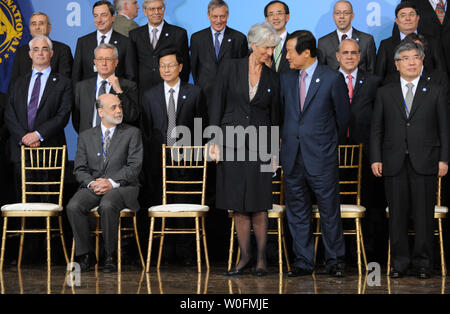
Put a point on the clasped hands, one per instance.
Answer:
(31, 140)
(101, 186)
(377, 169)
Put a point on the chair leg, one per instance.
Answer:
(288, 264)
(205, 246)
(49, 252)
(150, 242)
(119, 247)
(358, 244)
(97, 242)
(161, 243)
(362, 246)
(197, 241)
(389, 258)
(316, 239)
(72, 253)
(441, 245)
(280, 253)
(2, 253)
(136, 235)
(63, 242)
(230, 254)
(22, 237)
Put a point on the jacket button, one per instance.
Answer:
(408, 124)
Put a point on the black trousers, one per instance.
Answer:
(411, 195)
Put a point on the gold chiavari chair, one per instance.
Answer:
(276, 212)
(350, 165)
(190, 159)
(440, 212)
(38, 163)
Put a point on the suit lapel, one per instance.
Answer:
(145, 38)
(91, 91)
(115, 39)
(244, 78)
(360, 79)
(98, 145)
(399, 100)
(313, 86)
(262, 83)
(421, 90)
(226, 43)
(22, 111)
(116, 138)
(52, 80)
(165, 34)
(210, 44)
(182, 98)
(162, 104)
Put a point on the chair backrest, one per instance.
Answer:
(188, 159)
(350, 160)
(42, 169)
(278, 187)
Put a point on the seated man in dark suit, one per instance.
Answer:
(147, 42)
(62, 59)
(84, 115)
(328, 44)
(166, 106)
(107, 166)
(83, 67)
(407, 18)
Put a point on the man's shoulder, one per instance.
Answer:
(235, 33)
(85, 83)
(201, 33)
(128, 129)
(174, 28)
(88, 37)
(326, 38)
(137, 31)
(361, 35)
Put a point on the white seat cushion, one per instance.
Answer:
(32, 207)
(126, 210)
(174, 208)
(437, 209)
(345, 208)
(276, 208)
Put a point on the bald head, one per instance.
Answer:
(109, 109)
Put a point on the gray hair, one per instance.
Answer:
(107, 46)
(41, 13)
(217, 4)
(407, 46)
(263, 34)
(348, 40)
(118, 4)
(144, 4)
(41, 37)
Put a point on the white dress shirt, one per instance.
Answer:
(349, 33)
(158, 33)
(434, 3)
(107, 88)
(176, 88)
(221, 35)
(107, 38)
(403, 83)
(354, 75)
(44, 78)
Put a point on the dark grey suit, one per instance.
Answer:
(123, 166)
(328, 45)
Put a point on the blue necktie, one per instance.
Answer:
(34, 101)
(217, 45)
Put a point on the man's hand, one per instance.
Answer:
(114, 81)
(443, 169)
(101, 186)
(30, 139)
(377, 169)
(214, 153)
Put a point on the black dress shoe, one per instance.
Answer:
(110, 265)
(236, 272)
(86, 261)
(337, 270)
(423, 273)
(297, 271)
(395, 274)
(259, 272)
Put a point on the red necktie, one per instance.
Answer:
(350, 95)
(344, 36)
(440, 11)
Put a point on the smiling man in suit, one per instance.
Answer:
(343, 15)
(212, 45)
(316, 108)
(277, 14)
(147, 42)
(107, 165)
(62, 59)
(409, 148)
(84, 114)
(83, 67)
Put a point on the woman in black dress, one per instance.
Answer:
(246, 98)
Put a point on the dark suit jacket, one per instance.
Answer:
(84, 105)
(328, 45)
(385, 58)
(204, 63)
(430, 26)
(51, 117)
(190, 105)
(424, 134)
(284, 64)
(143, 61)
(364, 93)
(61, 62)
(3, 132)
(83, 65)
(315, 130)
(122, 166)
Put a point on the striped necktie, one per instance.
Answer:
(34, 101)
(440, 11)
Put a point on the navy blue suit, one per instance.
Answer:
(309, 156)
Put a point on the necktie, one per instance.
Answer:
(409, 98)
(101, 91)
(106, 143)
(217, 44)
(154, 38)
(344, 36)
(171, 115)
(350, 95)
(34, 101)
(103, 39)
(277, 55)
(440, 11)
(302, 89)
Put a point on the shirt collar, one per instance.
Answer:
(402, 36)
(311, 69)
(108, 34)
(176, 88)
(222, 32)
(46, 71)
(349, 33)
(283, 36)
(353, 74)
(159, 27)
(111, 130)
(403, 82)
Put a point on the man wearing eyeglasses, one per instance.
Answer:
(407, 18)
(277, 14)
(328, 45)
(84, 113)
(147, 42)
(409, 148)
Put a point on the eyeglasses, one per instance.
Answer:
(345, 13)
(405, 15)
(168, 66)
(154, 9)
(108, 60)
(406, 59)
(277, 14)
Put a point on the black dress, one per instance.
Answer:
(241, 184)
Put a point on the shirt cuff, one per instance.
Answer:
(40, 137)
(114, 184)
